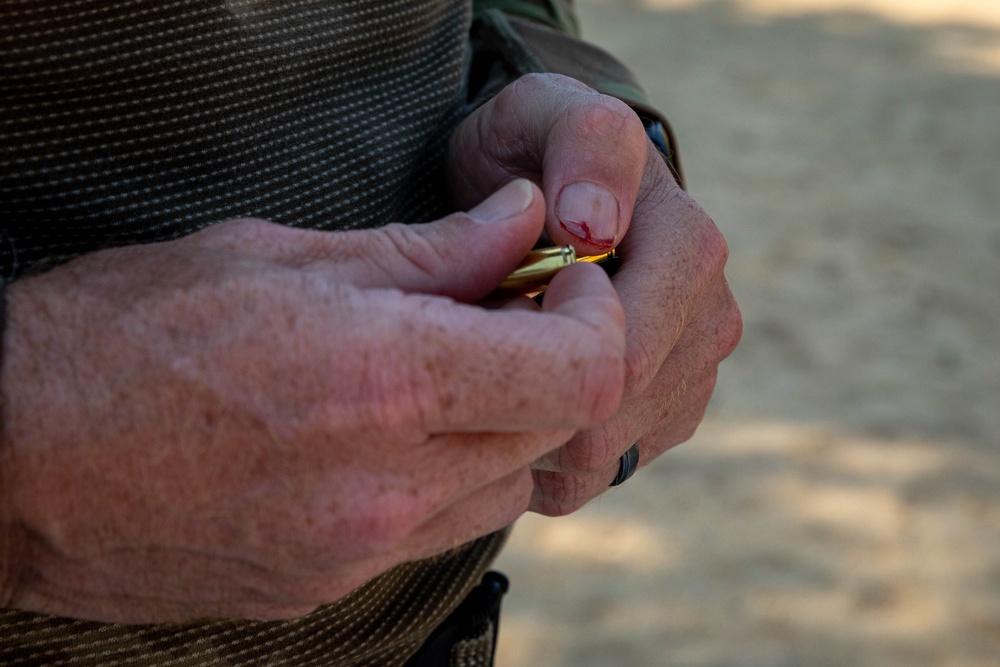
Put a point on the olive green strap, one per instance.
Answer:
(506, 46)
(557, 14)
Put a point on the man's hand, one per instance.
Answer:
(605, 185)
(254, 420)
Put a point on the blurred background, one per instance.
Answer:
(841, 503)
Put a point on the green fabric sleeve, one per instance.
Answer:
(511, 38)
(558, 14)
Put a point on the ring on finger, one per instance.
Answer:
(627, 465)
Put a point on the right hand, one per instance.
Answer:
(254, 420)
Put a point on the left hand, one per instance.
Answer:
(606, 185)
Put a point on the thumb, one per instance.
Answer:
(588, 152)
(464, 256)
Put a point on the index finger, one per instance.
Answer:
(468, 369)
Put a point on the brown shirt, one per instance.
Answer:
(129, 121)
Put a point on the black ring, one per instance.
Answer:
(627, 465)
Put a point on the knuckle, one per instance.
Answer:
(533, 84)
(596, 115)
(528, 85)
(498, 132)
(730, 329)
(706, 249)
(593, 450)
(559, 494)
(714, 248)
(397, 240)
(721, 333)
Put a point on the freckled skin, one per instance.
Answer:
(682, 319)
(255, 420)
(247, 433)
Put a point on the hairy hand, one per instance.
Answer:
(605, 184)
(254, 420)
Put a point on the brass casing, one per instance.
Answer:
(533, 274)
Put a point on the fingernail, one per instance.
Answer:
(506, 202)
(590, 212)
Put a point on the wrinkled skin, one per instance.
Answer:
(254, 420)
(682, 317)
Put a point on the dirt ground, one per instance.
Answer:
(840, 505)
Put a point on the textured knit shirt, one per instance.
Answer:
(128, 121)
(133, 121)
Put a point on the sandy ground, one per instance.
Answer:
(841, 503)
